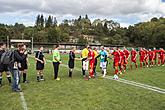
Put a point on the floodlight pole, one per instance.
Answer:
(32, 46)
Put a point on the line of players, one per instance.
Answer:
(147, 58)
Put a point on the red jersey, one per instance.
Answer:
(133, 54)
(126, 52)
(91, 55)
(116, 55)
(161, 53)
(122, 55)
(155, 53)
(142, 53)
(146, 54)
(151, 55)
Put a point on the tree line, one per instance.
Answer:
(145, 34)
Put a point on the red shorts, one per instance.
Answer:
(141, 59)
(133, 60)
(151, 58)
(161, 57)
(122, 62)
(126, 62)
(146, 58)
(115, 64)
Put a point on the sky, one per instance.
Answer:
(126, 12)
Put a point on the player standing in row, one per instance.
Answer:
(161, 57)
(116, 60)
(91, 57)
(151, 57)
(95, 64)
(127, 55)
(103, 60)
(142, 56)
(71, 61)
(4, 68)
(56, 61)
(122, 60)
(146, 57)
(40, 63)
(155, 51)
(133, 58)
(24, 66)
(85, 62)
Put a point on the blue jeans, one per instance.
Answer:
(16, 78)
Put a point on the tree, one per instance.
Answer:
(49, 22)
(42, 21)
(86, 16)
(82, 41)
(79, 19)
(55, 22)
(38, 21)
(53, 35)
(105, 28)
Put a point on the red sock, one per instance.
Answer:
(136, 65)
(131, 67)
(141, 65)
(116, 71)
(125, 67)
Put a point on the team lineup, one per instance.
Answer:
(15, 62)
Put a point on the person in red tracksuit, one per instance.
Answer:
(146, 57)
(133, 57)
(116, 60)
(155, 51)
(127, 54)
(161, 57)
(91, 57)
(151, 57)
(142, 55)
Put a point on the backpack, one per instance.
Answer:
(7, 58)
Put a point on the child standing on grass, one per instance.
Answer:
(24, 66)
(40, 62)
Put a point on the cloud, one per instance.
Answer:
(112, 9)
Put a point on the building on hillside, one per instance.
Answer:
(89, 38)
(73, 39)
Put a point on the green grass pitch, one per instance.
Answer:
(77, 94)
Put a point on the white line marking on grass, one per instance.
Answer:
(137, 84)
(24, 104)
(145, 86)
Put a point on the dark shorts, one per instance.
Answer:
(23, 66)
(39, 66)
(71, 64)
(4, 68)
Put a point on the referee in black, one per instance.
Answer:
(71, 61)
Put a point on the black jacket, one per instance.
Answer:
(17, 59)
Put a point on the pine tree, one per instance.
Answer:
(105, 28)
(55, 22)
(42, 20)
(49, 22)
(38, 21)
(79, 19)
(86, 16)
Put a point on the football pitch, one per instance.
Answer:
(96, 94)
